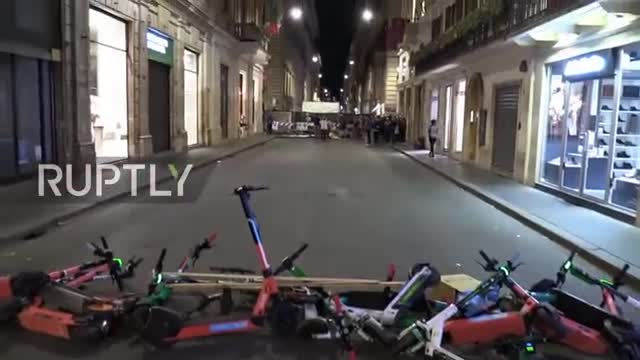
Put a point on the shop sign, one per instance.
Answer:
(160, 47)
(590, 66)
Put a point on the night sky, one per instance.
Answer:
(336, 30)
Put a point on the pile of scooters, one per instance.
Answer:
(499, 319)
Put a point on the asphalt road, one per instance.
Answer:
(359, 209)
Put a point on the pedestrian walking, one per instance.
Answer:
(433, 137)
(369, 126)
(269, 123)
(396, 131)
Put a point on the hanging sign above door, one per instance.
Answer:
(590, 66)
(160, 47)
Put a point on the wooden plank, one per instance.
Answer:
(255, 287)
(284, 280)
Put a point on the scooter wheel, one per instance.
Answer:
(283, 317)
(93, 332)
(311, 327)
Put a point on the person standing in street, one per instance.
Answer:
(369, 128)
(324, 129)
(433, 137)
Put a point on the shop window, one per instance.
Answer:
(459, 8)
(436, 28)
(552, 148)
(108, 79)
(434, 105)
(449, 17)
(626, 164)
(26, 125)
(448, 113)
(191, 96)
(241, 94)
(460, 104)
(7, 128)
(470, 6)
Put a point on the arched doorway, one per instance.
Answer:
(475, 93)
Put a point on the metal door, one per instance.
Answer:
(159, 108)
(505, 128)
(224, 101)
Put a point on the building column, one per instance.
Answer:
(139, 71)
(205, 84)
(214, 130)
(538, 103)
(411, 114)
(178, 134)
(79, 148)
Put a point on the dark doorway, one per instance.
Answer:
(159, 108)
(224, 101)
(505, 128)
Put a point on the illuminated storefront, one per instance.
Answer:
(108, 86)
(591, 144)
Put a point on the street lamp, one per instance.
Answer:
(315, 59)
(341, 90)
(351, 62)
(367, 15)
(320, 76)
(295, 13)
(346, 76)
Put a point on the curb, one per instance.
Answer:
(593, 253)
(38, 230)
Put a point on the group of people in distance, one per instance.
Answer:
(373, 129)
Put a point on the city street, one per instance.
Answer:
(359, 209)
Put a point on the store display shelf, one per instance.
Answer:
(623, 98)
(621, 111)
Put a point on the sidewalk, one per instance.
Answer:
(24, 215)
(594, 236)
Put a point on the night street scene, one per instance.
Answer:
(319, 179)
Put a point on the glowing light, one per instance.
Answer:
(585, 65)
(351, 62)
(606, 282)
(295, 13)
(315, 59)
(567, 265)
(367, 15)
(118, 261)
(320, 76)
(346, 76)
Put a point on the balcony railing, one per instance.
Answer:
(494, 19)
(251, 33)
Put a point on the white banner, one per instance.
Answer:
(318, 107)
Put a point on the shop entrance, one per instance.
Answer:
(224, 101)
(505, 128)
(159, 108)
(587, 137)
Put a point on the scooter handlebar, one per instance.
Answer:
(249, 188)
(289, 261)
